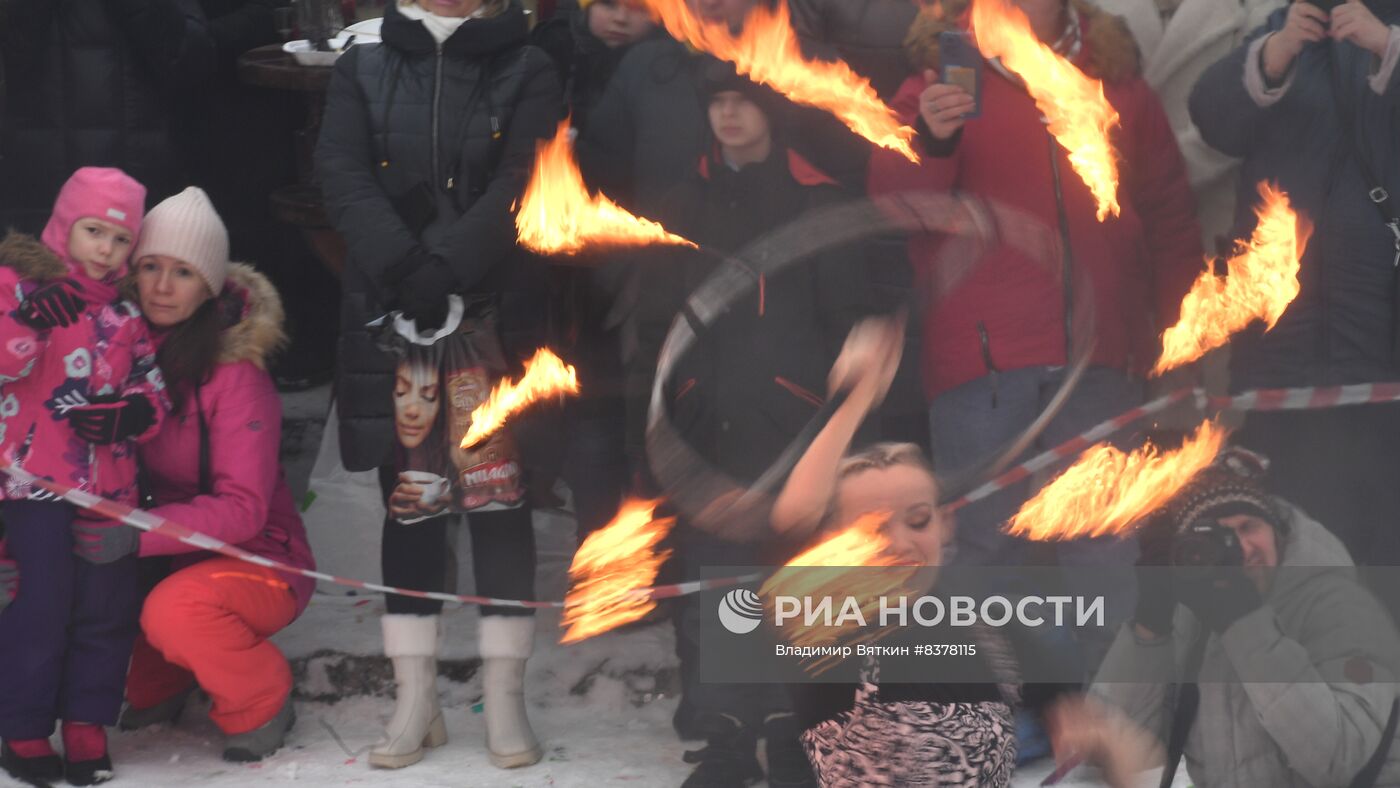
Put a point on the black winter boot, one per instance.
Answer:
(788, 766)
(92, 772)
(33, 771)
(729, 760)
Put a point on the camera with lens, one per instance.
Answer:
(1207, 542)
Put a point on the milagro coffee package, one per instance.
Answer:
(440, 378)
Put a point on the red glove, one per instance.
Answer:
(109, 421)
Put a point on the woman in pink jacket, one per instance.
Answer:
(214, 468)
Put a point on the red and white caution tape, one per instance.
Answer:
(1261, 399)
(152, 523)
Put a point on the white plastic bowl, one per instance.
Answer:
(305, 52)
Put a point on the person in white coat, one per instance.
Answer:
(1179, 40)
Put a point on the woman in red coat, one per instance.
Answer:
(997, 341)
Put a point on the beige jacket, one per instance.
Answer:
(1174, 56)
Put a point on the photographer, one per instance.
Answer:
(1286, 665)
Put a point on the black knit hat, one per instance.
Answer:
(1231, 486)
(718, 76)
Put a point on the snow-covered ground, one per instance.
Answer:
(602, 708)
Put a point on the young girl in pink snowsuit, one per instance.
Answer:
(78, 389)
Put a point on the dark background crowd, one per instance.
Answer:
(421, 160)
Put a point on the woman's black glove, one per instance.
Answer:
(56, 304)
(422, 295)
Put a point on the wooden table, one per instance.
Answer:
(299, 204)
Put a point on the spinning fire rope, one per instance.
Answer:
(546, 375)
(1108, 491)
(1262, 282)
(766, 50)
(1079, 116)
(612, 568)
(558, 216)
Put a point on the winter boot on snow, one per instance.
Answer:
(411, 643)
(85, 758)
(728, 760)
(506, 642)
(31, 761)
(788, 766)
(167, 712)
(263, 740)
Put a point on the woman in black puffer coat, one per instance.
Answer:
(425, 146)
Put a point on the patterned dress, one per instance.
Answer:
(919, 743)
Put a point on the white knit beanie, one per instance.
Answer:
(187, 228)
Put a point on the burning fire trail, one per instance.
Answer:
(1262, 282)
(1107, 491)
(766, 50)
(545, 376)
(610, 568)
(1079, 115)
(848, 556)
(558, 216)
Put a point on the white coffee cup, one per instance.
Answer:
(434, 486)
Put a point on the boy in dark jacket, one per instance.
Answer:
(587, 42)
(742, 394)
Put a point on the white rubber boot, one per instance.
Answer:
(506, 642)
(411, 643)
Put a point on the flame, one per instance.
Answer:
(1107, 491)
(766, 50)
(611, 566)
(1078, 114)
(545, 376)
(558, 216)
(848, 553)
(1262, 282)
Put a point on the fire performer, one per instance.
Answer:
(949, 732)
(750, 386)
(426, 144)
(1282, 664)
(1309, 102)
(995, 346)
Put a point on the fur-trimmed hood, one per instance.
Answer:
(30, 258)
(1110, 53)
(258, 328)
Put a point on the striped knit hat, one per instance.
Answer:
(1231, 486)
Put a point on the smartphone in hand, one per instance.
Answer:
(961, 64)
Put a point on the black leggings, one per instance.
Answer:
(415, 557)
